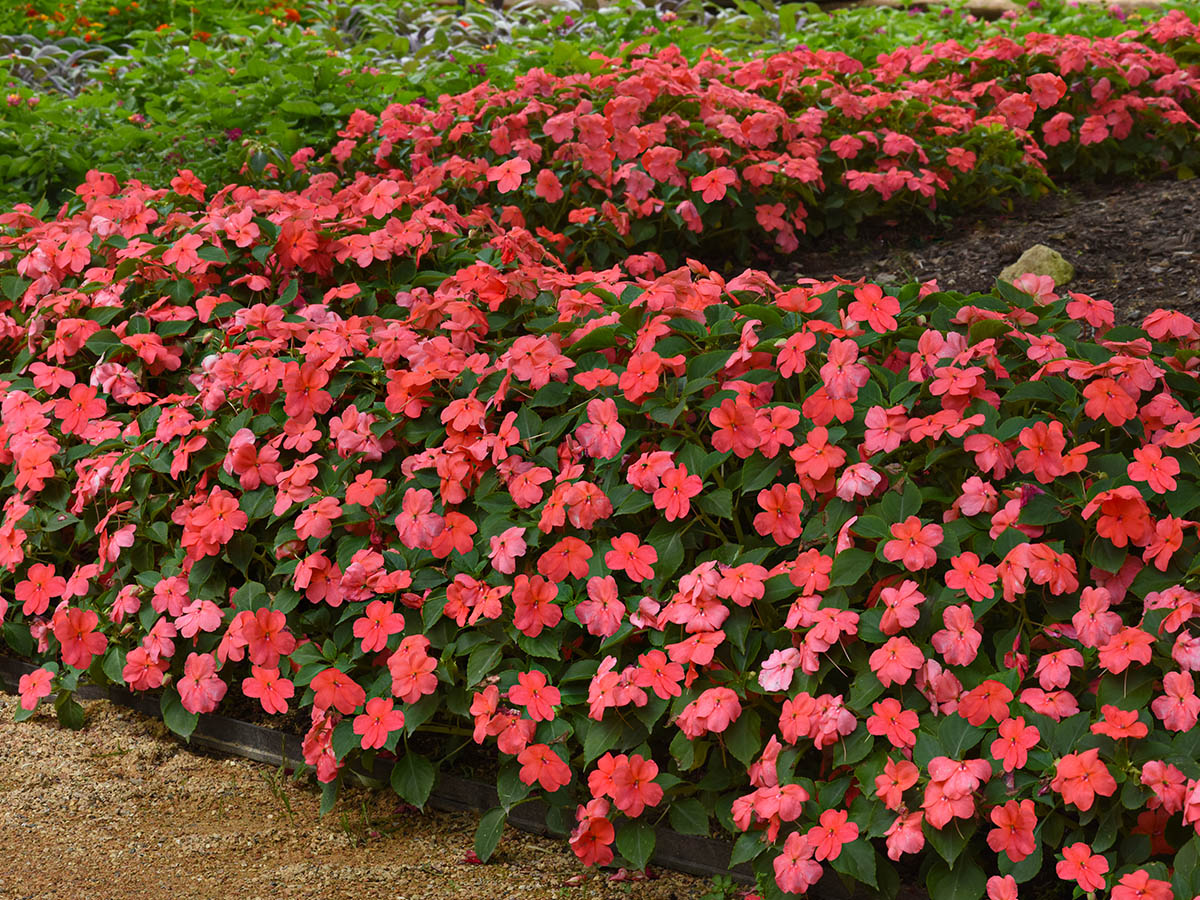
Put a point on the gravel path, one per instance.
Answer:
(123, 811)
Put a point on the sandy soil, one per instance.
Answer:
(123, 811)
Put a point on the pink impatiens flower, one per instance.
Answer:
(914, 545)
(377, 722)
(33, 687)
(506, 548)
(200, 688)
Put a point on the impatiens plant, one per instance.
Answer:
(850, 573)
(728, 155)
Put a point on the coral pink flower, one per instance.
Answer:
(897, 778)
(534, 598)
(631, 556)
(713, 711)
(959, 641)
(1013, 834)
(968, 574)
(1139, 885)
(506, 548)
(1079, 777)
(989, 700)
(33, 687)
(1083, 867)
(1152, 467)
(377, 722)
(541, 764)
(379, 622)
(675, 493)
(335, 688)
(905, 835)
(269, 687)
(1011, 748)
(76, 632)
(870, 305)
(833, 831)
(534, 693)
(1002, 887)
(795, 869)
(412, 672)
(896, 660)
(914, 545)
(200, 688)
(894, 722)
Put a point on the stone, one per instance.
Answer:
(1040, 260)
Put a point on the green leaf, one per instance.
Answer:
(870, 527)
(965, 882)
(175, 717)
(344, 738)
(481, 661)
(957, 736)
(670, 557)
(601, 736)
(70, 713)
(949, 841)
(509, 786)
(688, 816)
(857, 860)
(758, 472)
(849, 566)
(1186, 880)
(329, 795)
(635, 840)
(299, 107)
(114, 665)
(747, 847)
(744, 737)
(717, 503)
(412, 778)
(487, 835)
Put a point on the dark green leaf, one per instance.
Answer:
(635, 840)
(487, 835)
(175, 717)
(412, 778)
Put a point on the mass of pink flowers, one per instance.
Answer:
(852, 572)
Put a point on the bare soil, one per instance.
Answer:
(1132, 243)
(121, 810)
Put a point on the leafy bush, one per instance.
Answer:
(844, 572)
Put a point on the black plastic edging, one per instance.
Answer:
(683, 852)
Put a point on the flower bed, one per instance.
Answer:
(850, 575)
(728, 156)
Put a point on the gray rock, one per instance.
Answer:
(1040, 260)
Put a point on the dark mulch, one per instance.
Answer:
(1133, 243)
